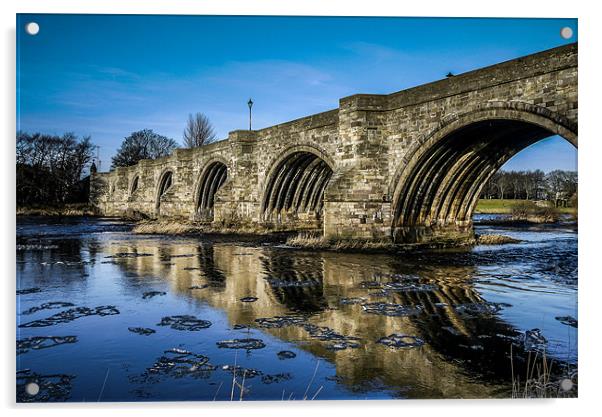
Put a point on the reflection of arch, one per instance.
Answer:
(214, 276)
(212, 177)
(296, 282)
(443, 174)
(296, 183)
(165, 183)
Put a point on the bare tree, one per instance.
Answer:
(531, 184)
(198, 132)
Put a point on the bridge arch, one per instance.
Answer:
(135, 184)
(212, 178)
(437, 186)
(166, 180)
(295, 185)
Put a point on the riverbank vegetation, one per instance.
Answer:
(186, 227)
(315, 241)
(51, 169)
(66, 210)
(544, 378)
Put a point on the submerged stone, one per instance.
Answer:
(128, 255)
(249, 299)
(241, 372)
(534, 341)
(286, 354)
(390, 309)
(28, 291)
(380, 293)
(184, 322)
(281, 321)
(151, 294)
(568, 320)
(317, 332)
(241, 344)
(36, 247)
(198, 287)
(352, 300)
(371, 284)
(452, 330)
(327, 334)
(275, 379)
(42, 342)
(480, 309)
(403, 286)
(400, 341)
(342, 345)
(72, 314)
(144, 331)
(279, 283)
(48, 306)
(178, 363)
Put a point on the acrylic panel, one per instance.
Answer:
(295, 208)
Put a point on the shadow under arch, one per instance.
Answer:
(295, 185)
(436, 188)
(135, 185)
(212, 178)
(165, 182)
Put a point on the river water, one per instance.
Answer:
(105, 315)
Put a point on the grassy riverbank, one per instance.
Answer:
(504, 206)
(68, 210)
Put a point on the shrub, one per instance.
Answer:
(522, 210)
(531, 212)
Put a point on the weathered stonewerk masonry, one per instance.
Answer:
(407, 166)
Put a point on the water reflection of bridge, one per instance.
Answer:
(457, 348)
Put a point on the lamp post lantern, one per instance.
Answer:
(250, 103)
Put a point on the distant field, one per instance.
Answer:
(496, 206)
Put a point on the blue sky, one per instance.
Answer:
(108, 75)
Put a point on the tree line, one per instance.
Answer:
(531, 185)
(50, 168)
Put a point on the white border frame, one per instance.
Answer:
(590, 25)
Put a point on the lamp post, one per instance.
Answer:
(250, 103)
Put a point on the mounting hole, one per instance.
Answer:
(566, 32)
(32, 28)
(566, 385)
(32, 389)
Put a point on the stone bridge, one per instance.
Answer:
(407, 166)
